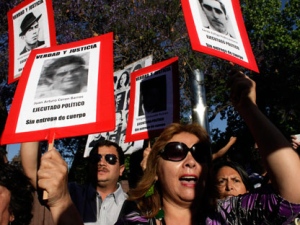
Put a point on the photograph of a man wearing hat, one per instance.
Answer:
(30, 32)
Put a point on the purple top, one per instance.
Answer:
(259, 207)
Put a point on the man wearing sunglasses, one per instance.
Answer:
(216, 15)
(64, 76)
(100, 200)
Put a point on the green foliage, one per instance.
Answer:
(127, 168)
(273, 31)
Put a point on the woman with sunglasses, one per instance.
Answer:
(178, 162)
(172, 190)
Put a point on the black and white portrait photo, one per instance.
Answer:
(30, 26)
(29, 34)
(120, 100)
(122, 87)
(216, 27)
(123, 81)
(63, 91)
(63, 76)
(217, 17)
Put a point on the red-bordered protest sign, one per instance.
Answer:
(64, 91)
(122, 99)
(154, 100)
(30, 25)
(216, 27)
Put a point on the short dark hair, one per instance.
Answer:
(21, 200)
(108, 143)
(72, 59)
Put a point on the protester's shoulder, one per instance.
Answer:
(254, 200)
(23, 51)
(75, 187)
(272, 207)
(129, 207)
(120, 194)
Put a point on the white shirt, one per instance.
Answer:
(108, 210)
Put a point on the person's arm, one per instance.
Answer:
(223, 150)
(29, 158)
(53, 178)
(282, 161)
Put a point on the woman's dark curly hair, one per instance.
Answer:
(21, 200)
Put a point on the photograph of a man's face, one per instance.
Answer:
(31, 27)
(29, 32)
(217, 17)
(63, 76)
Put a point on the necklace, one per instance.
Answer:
(160, 216)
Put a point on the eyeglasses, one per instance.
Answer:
(209, 8)
(72, 71)
(177, 151)
(109, 158)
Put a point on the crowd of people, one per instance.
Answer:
(181, 183)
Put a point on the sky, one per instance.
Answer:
(12, 150)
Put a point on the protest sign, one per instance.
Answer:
(154, 100)
(30, 25)
(64, 91)
(122, 98)
(217, 28)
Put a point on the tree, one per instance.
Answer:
(274, 35)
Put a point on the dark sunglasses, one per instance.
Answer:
(177, 151)
(209, 8)
(109, 158)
